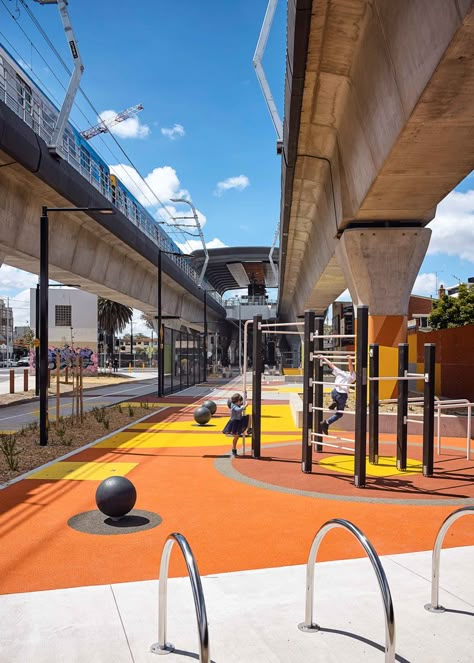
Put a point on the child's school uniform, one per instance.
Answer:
(238, 421)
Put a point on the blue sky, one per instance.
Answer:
(205, 130)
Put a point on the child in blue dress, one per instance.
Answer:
(238, 422)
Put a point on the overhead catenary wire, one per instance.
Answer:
(171, 229)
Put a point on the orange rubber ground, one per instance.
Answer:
(230, 524)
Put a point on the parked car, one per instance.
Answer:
(4, 363)
(23, 361)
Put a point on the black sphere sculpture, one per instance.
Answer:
(116, 496)
(202, 415)
(211, 406)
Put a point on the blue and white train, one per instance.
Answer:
(29, 102)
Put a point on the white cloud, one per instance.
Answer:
(12, 278)
(176, 131)
(239, 182)
(131, 128)
(425, 285)
(163, 182)
(165, 185)
(196, 245)
(453, 226)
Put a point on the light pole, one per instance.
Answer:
(43, 309)
(240, 338)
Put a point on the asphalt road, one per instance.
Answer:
(14, 417)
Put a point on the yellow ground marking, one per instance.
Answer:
(163, 439)
(9, 432)
(83, 471)
(387, 466)
(275, 418)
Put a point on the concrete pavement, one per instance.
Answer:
(253, 616)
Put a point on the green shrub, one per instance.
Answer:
(10, 451)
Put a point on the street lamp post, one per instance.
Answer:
(160, 332)
(43, 312)
(205, 336)
(43, 325)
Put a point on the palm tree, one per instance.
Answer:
(113, 318)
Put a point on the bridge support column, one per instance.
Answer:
(380, 266)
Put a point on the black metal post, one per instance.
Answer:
(205, 336)
(402, 407)
(160, 330)
(308, 373)
(257, 386)
(37, 333)
(361, 397)
(43, 324)
(428, 409)
(318, 389)
(173, 361)
(374, 405)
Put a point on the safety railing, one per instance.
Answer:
(456, 405)
(163, 647)
(434, 606)
(308, 625)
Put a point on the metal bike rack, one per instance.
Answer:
(308, 625)
(434, 605)
(163, 647)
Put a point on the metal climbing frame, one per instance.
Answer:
(434, 605)
(313, 393)
(163, 647)
(428, 376)
(308, 625)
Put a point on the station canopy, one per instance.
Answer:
(231, 267)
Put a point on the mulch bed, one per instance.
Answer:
(63, 438)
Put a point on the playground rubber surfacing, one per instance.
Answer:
(236, 513)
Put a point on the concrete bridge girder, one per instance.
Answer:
(386, 129)
(83, 253)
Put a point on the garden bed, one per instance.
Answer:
(20, 452)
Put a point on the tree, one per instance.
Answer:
(454, 311)
(113, 318)
(148, 320)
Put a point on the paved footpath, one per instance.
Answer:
(250, 523)
(14, 417)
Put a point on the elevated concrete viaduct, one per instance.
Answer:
(379, 127)
(105, 255)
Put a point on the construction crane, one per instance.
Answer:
(104, 126)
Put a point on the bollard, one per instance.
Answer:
(12, 381)
(130, 368)
(25, 379)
